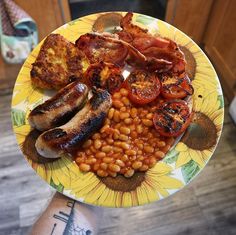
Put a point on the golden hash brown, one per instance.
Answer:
(58, 63)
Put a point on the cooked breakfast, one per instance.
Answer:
(141, 99)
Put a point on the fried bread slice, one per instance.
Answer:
(58, 63)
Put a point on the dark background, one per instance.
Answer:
(155, 8)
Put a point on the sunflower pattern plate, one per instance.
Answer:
(179, 166)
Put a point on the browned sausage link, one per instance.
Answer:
(60, 108)
(69, 137)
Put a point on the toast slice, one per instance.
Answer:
(58, 63)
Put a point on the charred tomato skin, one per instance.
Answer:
(143, 86)
(172, 118)
(176, 87)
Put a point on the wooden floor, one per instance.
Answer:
(206, 206)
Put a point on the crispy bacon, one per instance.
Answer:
(104, 48)
(154, 48)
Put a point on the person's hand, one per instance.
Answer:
(66, 216)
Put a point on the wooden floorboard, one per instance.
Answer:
(206, 206)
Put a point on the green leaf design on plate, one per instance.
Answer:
(59, 187)
(171, 157)
(145, 20)
(189, 170)
(221, 99)
(18, 117)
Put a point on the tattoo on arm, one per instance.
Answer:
(72, 227)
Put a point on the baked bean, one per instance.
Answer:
(88, 151)
(125, 158)
(152, 161)
(96, 166)
(102, 173)
(90, 161)
(130, 152)
(145, 131)
(117, 104)
(124, 116)
(140, 157)
(84, 167)
(120, 163)
(116, 116)
(87, 143)
(117, 95)
(139, 129)
(149, 135)
(129, 173)
(93, 150)
(117, 126)
(147, 122)
(113, 167)
(104, 135)
(165, 149)
(132, 158)
(125, 101)
(134, 134)
(123, 109)
(140, 152)
(123, 137)
(161, 144)
(136, 165)
(100, 155)
(140, 146)
(116, 136)
(107, 159)
(96, 136)
(148, 149)
(110, 141)
(149, 116)
(117, 149)
(97, 144)
(104, 128)
(128, 121)
(106, 149)
(159, 154)
(79, 160)
(124, 145)
(143, 168)
(117, 143)
(103, 166)
(132, 127)
(146, 161)
(125, 130)
(111, 113)
(123, 92)
(112, 173)
(133, 112)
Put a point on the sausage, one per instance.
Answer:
(70, 137)
(60, 108)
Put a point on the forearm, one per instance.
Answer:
(65, 216)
